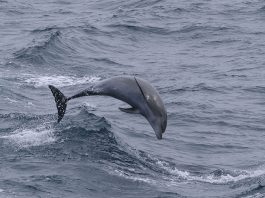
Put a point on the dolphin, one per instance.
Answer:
(138, 93)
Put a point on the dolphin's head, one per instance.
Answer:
(158, 121)
(154, 111)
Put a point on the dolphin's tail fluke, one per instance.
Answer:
(60, 100)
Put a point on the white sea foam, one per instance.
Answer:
(90, 106)
(131, 177)
(121, 173)
(24, 138)
(211, 178)
(10, 100)
(223, 179)
(177, 176)
(59, 81)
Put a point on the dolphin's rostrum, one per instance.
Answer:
(138, 93)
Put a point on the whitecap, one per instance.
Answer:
(224, 178)
(131, 177)
(227, 178)
(23, 138)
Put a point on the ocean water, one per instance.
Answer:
(206, 58)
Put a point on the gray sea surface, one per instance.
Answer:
(206, 58)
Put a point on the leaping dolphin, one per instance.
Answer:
(138, 93)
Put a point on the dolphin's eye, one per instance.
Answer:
(147, 97)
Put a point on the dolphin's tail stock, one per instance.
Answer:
(60, 100)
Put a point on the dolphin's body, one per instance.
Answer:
(138, 93)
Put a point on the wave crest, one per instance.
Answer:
(23, 138)
(50, 50)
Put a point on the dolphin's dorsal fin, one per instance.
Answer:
(129, 110)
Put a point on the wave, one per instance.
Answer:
(170, 30)
(146, 168)
(198, 87)
(143, 4)
(51, 50)
(218, 176)
(108, 61)
(123, 174)
(255, 89)
(22, 138)
(261, 9)
(85, 28)
(257, 190)
(19, 116)
(85, 136)
(195, 27)
(13, 95)
(144, 29)
(35, 53)
(225, 178)
(24, 121)
(256, 195)
(46, 29)
(149, 168)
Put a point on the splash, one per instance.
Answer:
(59, 81)
(23, 138)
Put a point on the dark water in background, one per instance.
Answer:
(206, 58)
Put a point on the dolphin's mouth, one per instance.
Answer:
(158, 130)
(158, 135)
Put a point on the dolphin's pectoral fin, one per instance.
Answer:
(129, 110)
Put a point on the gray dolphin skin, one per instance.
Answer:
(138, 93)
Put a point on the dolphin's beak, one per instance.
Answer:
(156, 125)
(158, 122)
(158, 129)
(158, 133)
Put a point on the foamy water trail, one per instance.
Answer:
(59, 81)
(27, 137)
